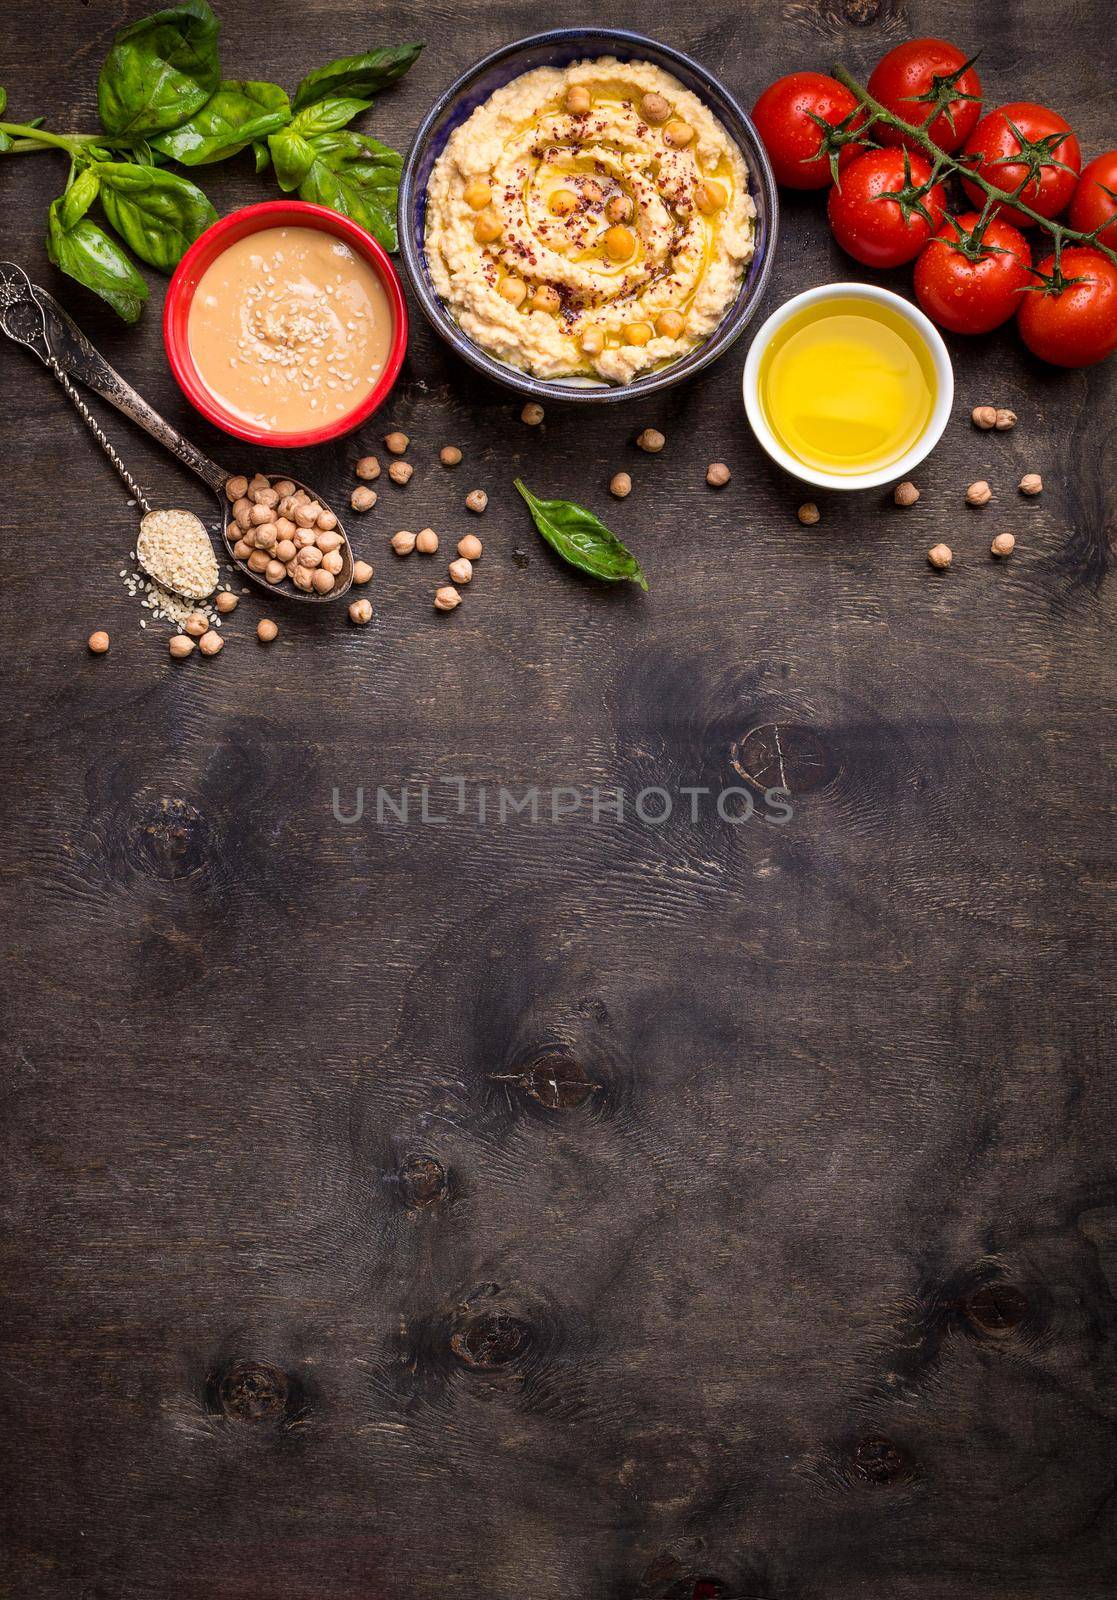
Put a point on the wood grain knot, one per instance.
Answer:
(421, 1182)
(995, 1309)
(878, 1461)
(555, 1080)
(490, 1339)
(170, 840)
(861, 12)
(783, 755)
(252, 1391)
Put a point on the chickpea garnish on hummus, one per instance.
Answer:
(590, 221)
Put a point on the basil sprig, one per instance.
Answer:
(161, 98)
(582, 539)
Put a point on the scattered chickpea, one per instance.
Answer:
(808, 513)
(362, 499)
(98, 642)
(360, 612)
(488, 228)
(225, 602)
(710, 197)
(678, 133)
(403, 542)
(593, 341)
(476, 500)
(984, 417)
(362, 572)
(718, 474)
(654, 108)
(449, 455)
(905, 494)
(426, 541)
(1003, 545)
(1031, 483)
(478, 194)
(400, 472)
(396, 442)
(211, 644)
(470, 547)
(618, 208)
(651, 440)
(368, 468)
(940, 556)
(266, 630)
(638, 333)
(461, 570)
(563, 202)
(180, 646)
(196, 624)
(514, 290)
(1005, 419)
(532, 414)
(546, 298)
(979, 493)
(620, 485)
(620, 242)
(578, 100)
(446, 598)
(670, 324)
(236, 489)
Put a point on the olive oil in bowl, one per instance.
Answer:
(847, 385)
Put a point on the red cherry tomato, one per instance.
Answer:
(1041, 140)
(930, 84)
(783, 118)
(1076, 325)
(971, 282)
(877, 230)
(1091, 204)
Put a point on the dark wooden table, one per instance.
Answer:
(566, 1209)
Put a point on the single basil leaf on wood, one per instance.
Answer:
(360, 76)
(292, 157)
(78, 199)
(261, 154)
(156, 212)
(238, 113)
(159, 71)
(582, 539)
(357, 176)
(87, 254)
(324, 116)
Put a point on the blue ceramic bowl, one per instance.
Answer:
(557, 49)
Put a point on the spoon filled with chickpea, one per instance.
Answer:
(277, 531)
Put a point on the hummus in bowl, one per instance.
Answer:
(591, 221)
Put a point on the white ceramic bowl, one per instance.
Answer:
(928, 439)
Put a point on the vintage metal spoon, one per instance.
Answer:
(32, 317)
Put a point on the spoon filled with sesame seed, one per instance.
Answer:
(277, 531)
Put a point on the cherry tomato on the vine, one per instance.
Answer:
(1025, 143)
(932, 85)
(794, 141)
(886, 208)
(970, 278)
(1075, 325)
(1094, 200)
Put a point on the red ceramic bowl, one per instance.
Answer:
(205, 250)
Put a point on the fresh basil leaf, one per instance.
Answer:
(238, 113)
(357, 176)
(292, 157)
(78, 199)
(324, 116)
(156, 212)
(359, 76)
(261, 154)
(582, 539)
(87, 254)
(159, 71)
